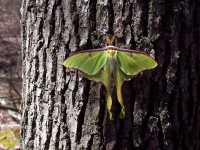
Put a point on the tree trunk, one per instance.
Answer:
(62, 110)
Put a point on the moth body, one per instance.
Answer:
(112, 60)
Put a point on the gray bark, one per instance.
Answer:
(62, 110)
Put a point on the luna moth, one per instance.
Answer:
(110, 65)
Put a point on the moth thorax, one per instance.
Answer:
(111, 52)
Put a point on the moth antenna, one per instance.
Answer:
(115, 40)
(110, 40)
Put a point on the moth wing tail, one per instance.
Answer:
(120, 78)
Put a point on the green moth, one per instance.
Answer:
(110, 65)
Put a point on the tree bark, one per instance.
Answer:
(62, 110)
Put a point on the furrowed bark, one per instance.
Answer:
(62, 110)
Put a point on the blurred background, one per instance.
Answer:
(10, 67)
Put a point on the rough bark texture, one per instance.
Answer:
(62, 110)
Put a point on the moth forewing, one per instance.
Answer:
(88, 62)
(134, 63)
